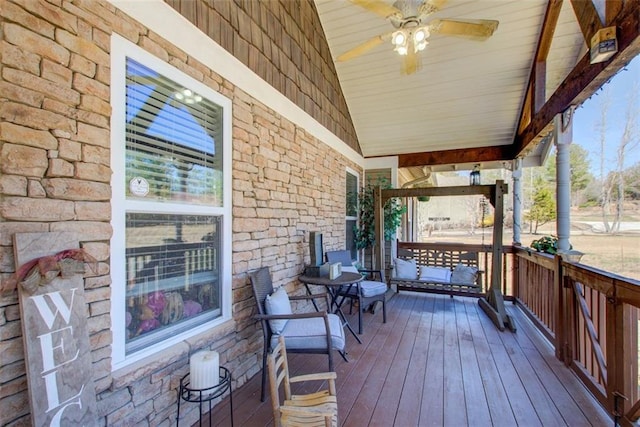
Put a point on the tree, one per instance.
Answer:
(605, 104)
(632, 182)
(580, 175)
(365, 233)
(613, 189)
(580, 170)
(543, 209)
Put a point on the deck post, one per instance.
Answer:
(493, 304)
(517, 201)
(378, 215)
(563, 135)
(621, 331)
(561, 311)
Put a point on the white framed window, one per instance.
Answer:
(171, 206)
(351, 204)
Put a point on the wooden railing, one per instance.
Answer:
(590, 316)
(536, 289)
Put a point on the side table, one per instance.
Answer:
(333, 286)
(206, 394)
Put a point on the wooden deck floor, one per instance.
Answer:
(439, 361)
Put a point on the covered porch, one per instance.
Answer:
(572, 361)
(443, 363)
(294, 136)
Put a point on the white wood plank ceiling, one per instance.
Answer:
(467, 93)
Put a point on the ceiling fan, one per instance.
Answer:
(411, 31)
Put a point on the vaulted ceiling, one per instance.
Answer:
(473, 101)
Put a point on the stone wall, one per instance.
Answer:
(55, 176)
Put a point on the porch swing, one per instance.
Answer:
(492, 302)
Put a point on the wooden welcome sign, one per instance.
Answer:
(56, 340)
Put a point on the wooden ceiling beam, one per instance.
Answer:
(462, 155)
(612, 9)
(587, 18)
(535, 95)
(585, 79)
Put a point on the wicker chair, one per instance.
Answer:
(365, 292)
(314, 409)
(314, 332)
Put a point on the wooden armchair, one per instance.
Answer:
(315, 409)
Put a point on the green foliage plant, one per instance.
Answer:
(546, 244)
(365, 234)
(543, 209)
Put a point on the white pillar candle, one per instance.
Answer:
(204, 369)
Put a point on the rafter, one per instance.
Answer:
(587, 18)
(447, 157)
(585, 79)
(537, 77)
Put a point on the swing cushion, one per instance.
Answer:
(435, 274)
(464, 274)
(405, 269)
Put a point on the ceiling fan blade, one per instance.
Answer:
(361, 49)
(430, 6)
(474, 29)
(411, 63)
(378, 7)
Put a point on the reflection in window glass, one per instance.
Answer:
(352, 195)
(351, 203)
(173, 273)
(174, 140)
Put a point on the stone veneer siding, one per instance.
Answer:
(55, 176)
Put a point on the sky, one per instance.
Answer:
(585, 130)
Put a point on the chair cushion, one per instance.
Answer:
(405, 269)
(302, 334)
(435, 274)
(370, 288)
(278, 303)
(464, 274)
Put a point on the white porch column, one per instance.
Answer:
(563, 136)
(517, 201)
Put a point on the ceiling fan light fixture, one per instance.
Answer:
(420, 46)
(420, 35)
(399, 38)
(402, 50)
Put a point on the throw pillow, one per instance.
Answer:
(464, 274)
(435, 274)
(405, 269)
(278, 303)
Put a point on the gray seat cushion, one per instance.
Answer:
(310, 333)
(370, 288)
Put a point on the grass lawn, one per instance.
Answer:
(619, 254)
